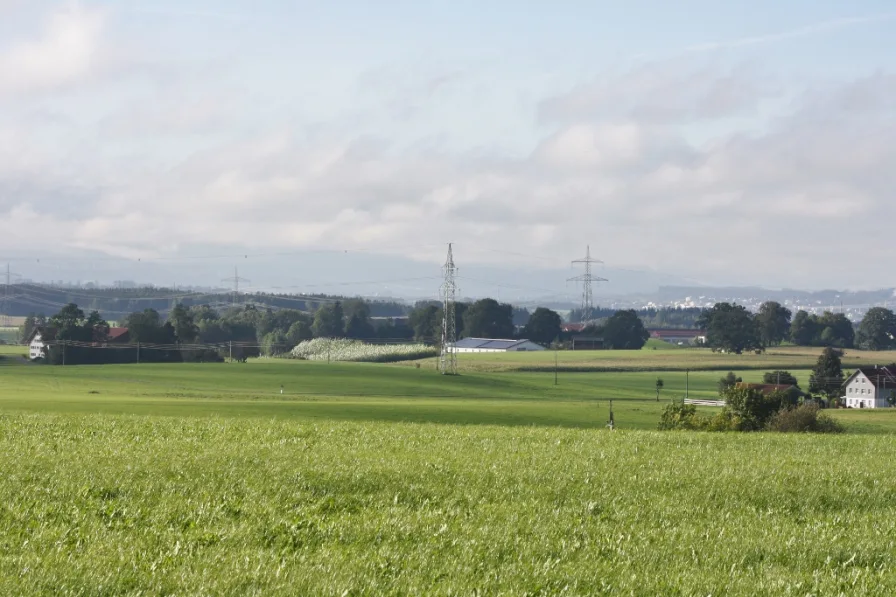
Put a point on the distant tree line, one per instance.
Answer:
(734, 329)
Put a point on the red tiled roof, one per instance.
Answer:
(117, 333)
(765, 388)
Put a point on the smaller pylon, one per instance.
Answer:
(587, 280)
(448, 354)
(236, 285)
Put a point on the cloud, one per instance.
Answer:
(804, 31)
(663, 92)
(66, 51)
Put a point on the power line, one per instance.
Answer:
(587, 280)
(448, 355)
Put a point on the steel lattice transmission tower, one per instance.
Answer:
(448, 356)
(236, 285)
(587, 280)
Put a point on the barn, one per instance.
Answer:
(494, 345)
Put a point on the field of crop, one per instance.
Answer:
(116, 505)
(370, 479)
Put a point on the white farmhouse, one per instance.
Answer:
(38, 342)
(870, 387)
(491, 345)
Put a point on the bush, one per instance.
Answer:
(325, 349)
(806, 418)
(681, 416)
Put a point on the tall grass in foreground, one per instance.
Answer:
(103, 505)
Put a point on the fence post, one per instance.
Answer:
(138, 353)
(230, 343)
(63, 353)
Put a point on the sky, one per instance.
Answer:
(723, 143)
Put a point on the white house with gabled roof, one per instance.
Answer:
(870, 387)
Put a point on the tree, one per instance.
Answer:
(359, 327)
(730, 328)
(752, 408)
(486, 318)
(877, 331)
(774, 323)
(298, 333)
(803, 329)
(544, 326)
(780, 378)
(827, 375)
(274, 343)
(31, 323)
(659, 386)
(68, 317)
(426, 321)
(185, 328)
(329, 321)
(625, 331)
(728, 382)
(835, 329)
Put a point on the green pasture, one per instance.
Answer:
(366, 392)
(667, 359)
(144, 505)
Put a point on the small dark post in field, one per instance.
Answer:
(612, 423)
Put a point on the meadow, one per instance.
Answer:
(373, 479)
(131, 505)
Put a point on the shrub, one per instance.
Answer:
(806, 418)
(681, 416)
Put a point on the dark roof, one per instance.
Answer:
(878, 376)
(47, 333)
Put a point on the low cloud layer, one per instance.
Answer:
(651, 166)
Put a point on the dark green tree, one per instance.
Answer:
(780, 378)
(624, 331)
(426, 321)
(298, 333)
(827, 375)
(185, 327)
(543, 326)
(834, 329)
(359, 327)
(329, 321)
(773, 320)
(659, 386)
(803, 329)
(487, 318)
(877, 331)
(728, 382)
(730, 328)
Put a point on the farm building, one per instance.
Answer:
(38, 341)
(679, 337)
(42, 336)
(492, 345)
(587, 343)
(870, 387)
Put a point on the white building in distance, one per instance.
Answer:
(492, 345)
(870, 387)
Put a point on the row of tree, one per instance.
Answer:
(734, 329)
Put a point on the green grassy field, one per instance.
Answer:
(125, 505)
(365, 479)
(667, 359)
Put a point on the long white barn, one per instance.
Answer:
(493, 345)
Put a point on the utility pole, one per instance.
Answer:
(587, 280)
(236, 285)
(448, 355)
(687, 384)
